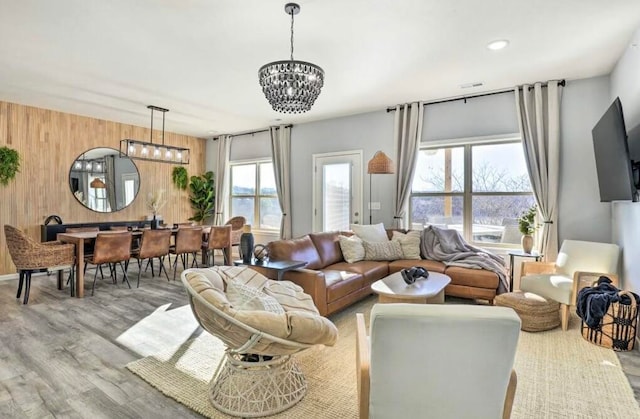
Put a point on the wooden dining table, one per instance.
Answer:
(81, 238)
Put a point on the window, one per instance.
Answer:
(253, 194)
(479, 189)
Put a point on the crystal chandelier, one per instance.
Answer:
(291, 86)
(163, 153)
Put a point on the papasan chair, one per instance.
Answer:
(262, 323)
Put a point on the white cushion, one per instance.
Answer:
(410, 243)
(370, 233)
(553, 286)
(352, 248)
(245, 297)
(576, 255)
(390, 250)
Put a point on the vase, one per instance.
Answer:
(527, 243)
(246, 247)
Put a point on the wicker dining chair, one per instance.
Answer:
(31, 256)
(188, 241)
(154, 244)
(113, 248)
(237, 224)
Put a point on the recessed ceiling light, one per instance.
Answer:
(499, 44)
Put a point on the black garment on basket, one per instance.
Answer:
(593, 302)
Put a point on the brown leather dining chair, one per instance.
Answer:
(188, 241)
(154, 244)
(219, 237)
(31, 256)
(112, 248)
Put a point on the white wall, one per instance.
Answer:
(368, 132)
(625, 83)
(581, 214)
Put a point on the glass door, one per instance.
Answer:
(337, 182)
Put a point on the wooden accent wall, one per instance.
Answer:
(49, 142)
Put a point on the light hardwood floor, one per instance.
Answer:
(66, 357)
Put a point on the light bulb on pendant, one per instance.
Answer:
(88, 166)
(132, 149)
(168, 155)
(77, 165)
(156, 152)
(179, 155)
(145, 151)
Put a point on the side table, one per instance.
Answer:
(280, 266)
(519, 253)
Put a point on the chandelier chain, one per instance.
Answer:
(292, 34)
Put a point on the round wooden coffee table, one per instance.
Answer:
(393, 289)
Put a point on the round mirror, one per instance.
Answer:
(104, 181)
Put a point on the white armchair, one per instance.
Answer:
(439, 361)
(577, 265)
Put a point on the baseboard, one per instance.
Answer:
(8, 277)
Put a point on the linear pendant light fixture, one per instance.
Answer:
(158, 152)
(291, 86)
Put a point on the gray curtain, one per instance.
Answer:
(281, 155)
(110, 181)
(407, 133)
(222, 178)
(538, 110)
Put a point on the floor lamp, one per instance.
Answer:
(380, 164)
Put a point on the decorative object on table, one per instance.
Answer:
(246, 244)
(260, 252)
(527, 226)
(609, 315)
(155, 202)
(291, 86)
(411, 275)
(180, 177)
(202, 195)
(380, 164)
(158, 152)
(9, 164)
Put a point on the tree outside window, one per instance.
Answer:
(477, 189)
(254, 195)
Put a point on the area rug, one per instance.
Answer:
(560, 375)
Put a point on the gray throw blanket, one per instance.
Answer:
(448, 247)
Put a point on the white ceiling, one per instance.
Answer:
(110, 58)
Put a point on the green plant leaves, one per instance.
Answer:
(9, 164)
(527, 221)
(180, 177)
(202, 195)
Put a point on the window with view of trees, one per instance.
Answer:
(254, 196)
(477, 189)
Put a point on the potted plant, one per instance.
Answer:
(202, 195)
(527, 226)
(9, 164)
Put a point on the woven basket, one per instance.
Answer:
(617, 329)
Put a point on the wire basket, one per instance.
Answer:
(617, 329)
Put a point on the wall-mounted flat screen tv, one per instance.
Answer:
(613, 163)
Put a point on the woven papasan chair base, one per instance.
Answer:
(256, 389)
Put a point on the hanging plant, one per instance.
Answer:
(180, 177)
(9, 164)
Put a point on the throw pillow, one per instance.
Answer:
(244, 297)
(409, 242)
(352, 248)
(390, 250)
(370, 233)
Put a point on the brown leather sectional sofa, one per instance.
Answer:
(334, 284)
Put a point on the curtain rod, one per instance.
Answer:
(453, 99)
(241, 133)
